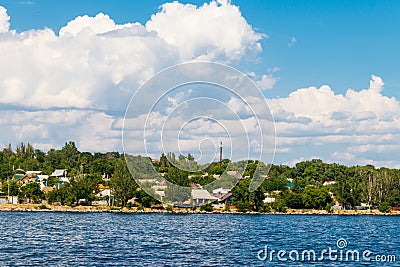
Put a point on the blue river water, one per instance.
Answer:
(104, 239)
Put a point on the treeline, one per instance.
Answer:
(301, 186)
(26, 157)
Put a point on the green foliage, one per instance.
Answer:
(316, 198)
(11, 187)
(202, 180)
(329, 208)
(42, 207)
(177, 194)
(245, 200)
(384, 207)
(279, 205)
(169, 208)
(267, 208)
(32, 192)
(122, 183)
(140, 207)
(84, 186)
(206, 207)
(227, 208)
(177, 177)
(294, 200)
(145, 199)
(354, 185)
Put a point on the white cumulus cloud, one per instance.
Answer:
(4, 20)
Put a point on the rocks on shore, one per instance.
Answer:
(105, 209)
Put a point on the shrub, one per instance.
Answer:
(42, 207)
(169, 208)
(267, 208)
(129, 205)
(206, 207)
(384, 207)
(227, 208)
(329, 208)
(140, 207)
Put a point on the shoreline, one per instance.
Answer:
(107, 209)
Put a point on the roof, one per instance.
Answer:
(101, 187)
(225, 197)
(18, 177)
(202, 194)
(221, 191)
(33, 172)
(63, 180)
(58, 173)
(42, 177)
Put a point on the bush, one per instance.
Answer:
(206, 207)
(267, 208)
(42, 207)
(384, 207)
(241, 206)
(227, 208)
(129, 205)
(169, 208)
(280, 205)
(329, 208)
(140, 207)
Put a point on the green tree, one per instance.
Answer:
(177, 176)
(207, 207)
(122, 183)
(316, 198)
(176, 193)
(11, 187)
(384, 207)
(84, 186)
(70, 155)
(242, 198)
(32, 192)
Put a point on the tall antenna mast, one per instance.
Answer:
(220, 155)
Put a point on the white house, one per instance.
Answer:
(269, 200)
(328, 183)
(201, 196)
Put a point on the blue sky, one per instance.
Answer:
(329, 45)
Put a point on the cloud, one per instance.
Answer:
(215, 30)
(273, 69)
(101, 63)
(292, 42)
(99, 24)
(4, 20)
(350, 128)
(267, 82)
(76, 84)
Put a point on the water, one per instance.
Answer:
(93, 239)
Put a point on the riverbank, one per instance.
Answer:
(107, 209)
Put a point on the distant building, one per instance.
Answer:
(328, 182)
(269, 200)
(62, 175)
(104, 191)
(225, 199)
(201, 196)
(219, 192)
